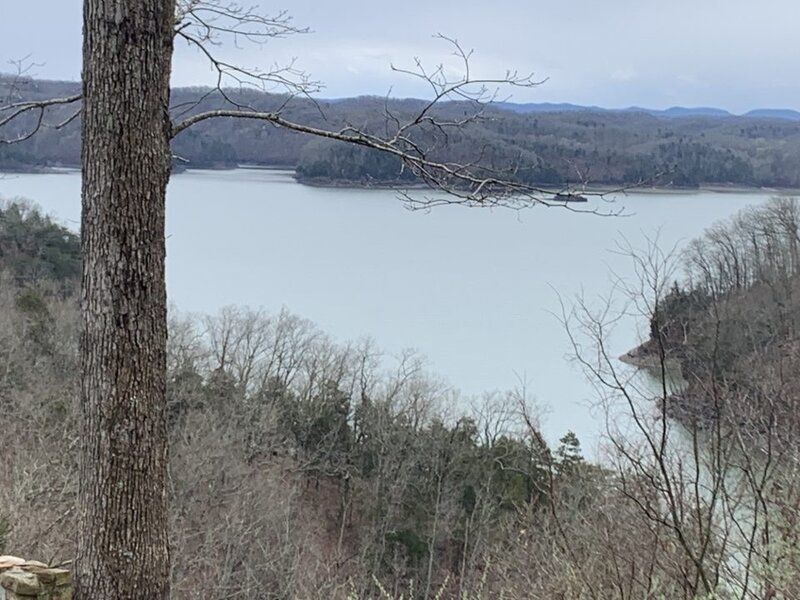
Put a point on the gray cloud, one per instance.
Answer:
(736, 54)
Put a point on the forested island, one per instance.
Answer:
(550, 145)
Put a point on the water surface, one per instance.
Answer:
(473, 290)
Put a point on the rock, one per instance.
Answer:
(48, 576)
(21, 582)
(33, 580)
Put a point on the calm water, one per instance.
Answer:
(471, 289)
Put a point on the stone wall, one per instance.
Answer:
(28, 580)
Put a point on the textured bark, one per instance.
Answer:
(123, 546)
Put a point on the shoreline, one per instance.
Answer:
(641, 358)
(597, 191)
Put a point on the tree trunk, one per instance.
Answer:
(123, 550)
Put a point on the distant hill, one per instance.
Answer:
(681, 111)
(553, 144)
(774, 113)
(545, 107)
(672, 112)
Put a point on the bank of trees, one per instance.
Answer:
(702, 428)
(733, 318)
(33, 248)
(300, 466)
(547, 148)
(308, 468)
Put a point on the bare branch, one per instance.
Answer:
(418, 140)
(11, 112)
(208, 24)
(458, 181)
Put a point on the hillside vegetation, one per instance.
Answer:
(302, 467)
(553, 148)
(732, 324)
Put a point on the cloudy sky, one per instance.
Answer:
(734, 54)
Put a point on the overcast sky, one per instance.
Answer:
(734, 54)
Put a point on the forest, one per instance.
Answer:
(308, 467)
(733, 320)
(553, 149)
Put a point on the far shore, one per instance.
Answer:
(598, 190)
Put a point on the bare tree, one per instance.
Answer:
(701, 457)
(127, 126)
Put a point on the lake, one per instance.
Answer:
(472, 289)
